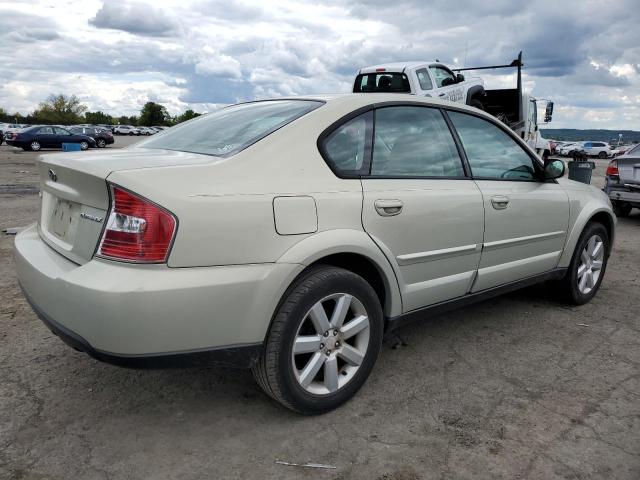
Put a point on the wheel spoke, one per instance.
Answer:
(590, 280)
(596, 265)
(306, 344)
(312, 368)
(591, 245)
(331, 374)
(583, 282)
(596, 249)
(350, 355)
(355, 326)
(340, 312)
(585, 256)
(581, 270)
(319, 318)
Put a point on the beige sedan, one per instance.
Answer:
(289, 235)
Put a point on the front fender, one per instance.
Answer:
(586, 213)
(331, 242)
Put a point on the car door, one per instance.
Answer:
(62, 136)
(526, 217)
(448, 88)
(419, 206)
(46, 137)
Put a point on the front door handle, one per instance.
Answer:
(442, 95)
(388, 208)
(500, 202)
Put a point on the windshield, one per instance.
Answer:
(231, 129)
(382, 82)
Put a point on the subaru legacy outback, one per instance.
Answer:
(289, 235)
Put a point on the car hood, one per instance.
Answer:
(102, 163)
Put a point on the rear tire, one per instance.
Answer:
(588, 265)
(622, 209)
(35, 146)
(321, 375)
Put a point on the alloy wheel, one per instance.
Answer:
(591, 261)
(35, 146)
(330, 344)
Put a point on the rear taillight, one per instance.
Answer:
(612, 169)
(137, 230)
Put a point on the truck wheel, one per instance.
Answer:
(587, 267)
(476, 103)
(323, 342)
(622, 209)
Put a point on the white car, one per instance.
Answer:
(287, 236)
(568, 148)
(597, 149)
(146, 131)
(126, 130)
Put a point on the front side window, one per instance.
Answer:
(46, 131)
(424, 79)
(414, 142)
(491, 152)
(442, 76)
(382, 82)
(346, 147)
(231, 129)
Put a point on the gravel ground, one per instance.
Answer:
(516, 387)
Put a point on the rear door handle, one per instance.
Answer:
(388, 208)
(500, 202)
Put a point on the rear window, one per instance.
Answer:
(382, 82)
(231, 129)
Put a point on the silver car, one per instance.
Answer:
(290, 235)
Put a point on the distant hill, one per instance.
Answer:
(628, 136)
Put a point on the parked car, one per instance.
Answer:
(568, 149)
(303, 236)
(146, 131)
(597, 149)
(36, 138)
(622, 182)
(103, 137)
(126, 130)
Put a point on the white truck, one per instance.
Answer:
(512, 106)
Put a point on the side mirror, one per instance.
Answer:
(548, 113)
(554, 169)
(460, 78)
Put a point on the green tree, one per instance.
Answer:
(187, 115)
(60, 109)
(154, 114)
(98, 118)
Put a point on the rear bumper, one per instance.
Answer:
(623, 194)
(151, 315)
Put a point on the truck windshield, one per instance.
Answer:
(382, 82)
(231, 129)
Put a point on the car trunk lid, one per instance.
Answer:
(75, 194)
(629, 170)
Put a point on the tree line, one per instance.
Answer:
(68, 110)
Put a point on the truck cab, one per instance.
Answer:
(425, 79)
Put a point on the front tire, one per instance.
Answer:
(101, 143)
(588, 265)
(323, 342)
(602, 155)
(84, 145)
(35, 146)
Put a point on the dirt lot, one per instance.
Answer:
(518, 387)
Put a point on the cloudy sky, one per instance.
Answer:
(118, 54)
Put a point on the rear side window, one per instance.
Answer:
(232, 129)
(424, 79)
(414, 142)
(382, 82)
(346, 148)
(491, 152)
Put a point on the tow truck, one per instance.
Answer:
(512, 106)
